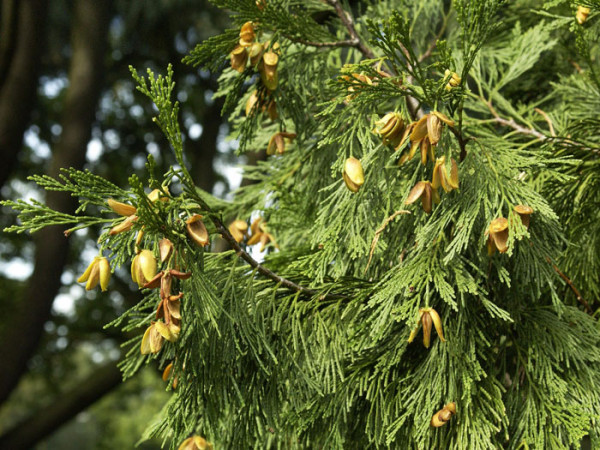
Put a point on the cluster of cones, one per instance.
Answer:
(263, 56)
(423, 135)
(497, 232)
(258, 232)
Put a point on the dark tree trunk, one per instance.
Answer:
(203, 151)
(21, 42)
(22, 336)
(68, 404)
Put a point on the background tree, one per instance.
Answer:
(404, 139)
(66, 100)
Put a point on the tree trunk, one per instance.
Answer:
(21, 43)
(90, 24)
(66, 406)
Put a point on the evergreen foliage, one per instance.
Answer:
(309, 347)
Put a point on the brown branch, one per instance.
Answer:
(345, 43)
(520, 129)
(411, 103)
(433, 43)
(346, 19)
(462, 143)
(548, 121)
(20, 61)
(222, 229)
(531, 132)
(580, 299)
(379, 231)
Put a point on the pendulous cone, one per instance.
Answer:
(147, 266)
(152, 341)
(434, 129)
(123, 226)
(499, 233)
(442, 417)
(353, 175)
(524, 212)
(105, 273)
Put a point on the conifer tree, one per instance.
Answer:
(416, 262)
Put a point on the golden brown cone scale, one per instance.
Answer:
(94, 278)
(167, 372)
(444, 118)
(426, 322)
(239, 58)
(524, 212)
(255, 53)
(123, 209)
(424, 191)
(104, 269)
(420, 130)
(147, 266)
(427, 318)
(498, 231)
(157, 195)
(165, 249)
(197, 230)
(123, 226)
(434, 129)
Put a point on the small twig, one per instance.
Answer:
(531, 132)
(512, 124)
(345, 43)
(222, 229)
(462, 143)
(515, 126)
(379, 231)
(433, 43)
(580, 299)
(349, 24)
(411, 103)
(547, 119)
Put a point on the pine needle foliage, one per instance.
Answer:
(310, 346)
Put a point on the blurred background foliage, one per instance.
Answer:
(67, 99)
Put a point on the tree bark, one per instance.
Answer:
(66, 406)
(204, 150)
(21, 43)
(22, 336)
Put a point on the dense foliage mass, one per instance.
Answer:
(430, 165)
